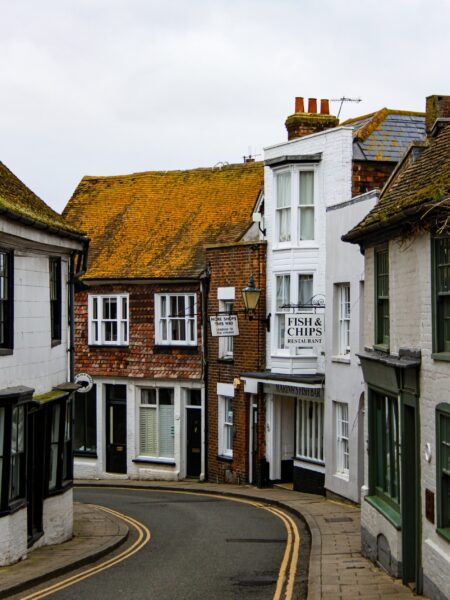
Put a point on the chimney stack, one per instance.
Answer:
(437, 107)
(303, 123)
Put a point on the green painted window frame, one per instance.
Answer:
(440, 268)
(382, 325)
(443, 469)
(384, 452)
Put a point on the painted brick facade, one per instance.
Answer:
(231, 266)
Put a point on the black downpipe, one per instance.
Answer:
(205, 281)
(74, 272)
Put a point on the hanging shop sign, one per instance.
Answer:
(224, 325)
(304, 329)
(86, 382)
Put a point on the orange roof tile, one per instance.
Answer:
(154, 224)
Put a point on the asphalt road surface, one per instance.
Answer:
(201, 548)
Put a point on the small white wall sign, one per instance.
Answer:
(303, 329)
(224, 325)
(86, 382)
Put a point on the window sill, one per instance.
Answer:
(226, 359)
(55, 343)
(386, 510)
(443, 356)
(224, 458)
(6, 351)
(341, 358)
(154, 460)
(444, 532)
(381, 348)
(59, 490)
(344, 476)
(311, 461)
(14, 507)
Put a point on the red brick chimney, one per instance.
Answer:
(303, 123)
(438, 107)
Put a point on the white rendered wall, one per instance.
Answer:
(343, 375)
(332, 185)
(13, 537)
(95, 468)
(411, 326)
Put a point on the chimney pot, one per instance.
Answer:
(312, 105)
(299, 105)
(324, 106)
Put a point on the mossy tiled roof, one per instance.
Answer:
(385, 135)
(18, 200)
(155, 224)
(419, 189)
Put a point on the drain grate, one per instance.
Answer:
(338, 519)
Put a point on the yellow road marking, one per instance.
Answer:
(143, 538)
(290, 556)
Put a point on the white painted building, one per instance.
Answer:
(405, 515)
(38, 253)
(344, 316)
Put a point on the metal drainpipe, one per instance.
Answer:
(205, 280)
(72, 276)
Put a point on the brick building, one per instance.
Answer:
(236, 419)
(405, 515)
(140, 315)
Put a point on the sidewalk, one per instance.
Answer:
(337, 571)
(96, 533)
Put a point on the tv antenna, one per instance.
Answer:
(342, 100)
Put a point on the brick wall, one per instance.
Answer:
(231, 266)
(368, 175)
(141, 358)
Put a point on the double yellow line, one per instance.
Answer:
(143, 537)
(286, 574)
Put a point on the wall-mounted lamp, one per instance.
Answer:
(250, 295)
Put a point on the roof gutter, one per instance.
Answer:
(39, 225)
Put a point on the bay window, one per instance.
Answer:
(283, 298)
(175, 319)
(108, 320)
(306, 205)
(305, 289)
(283, 210)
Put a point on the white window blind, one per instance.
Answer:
(157, 423)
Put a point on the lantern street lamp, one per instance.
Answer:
(250, 295)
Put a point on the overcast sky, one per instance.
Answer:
(104, 87)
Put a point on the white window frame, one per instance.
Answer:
(155, 407)
(306, 207)
(226, 343)
(303, 276)
(310, 414)
(343, 290)
(163, 319)
(280, 312)
(283, 211)
(226, 427)
(97, 321)
(342, 440)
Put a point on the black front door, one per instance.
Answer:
(193, 442)
(116, 428)
(35, 472)
(254, 448)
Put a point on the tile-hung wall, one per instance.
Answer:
(297, 193)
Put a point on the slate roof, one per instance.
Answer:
(418, 191)
(18, 202)
(155, 224)
(386, 134)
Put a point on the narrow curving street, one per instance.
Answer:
(201, 547)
